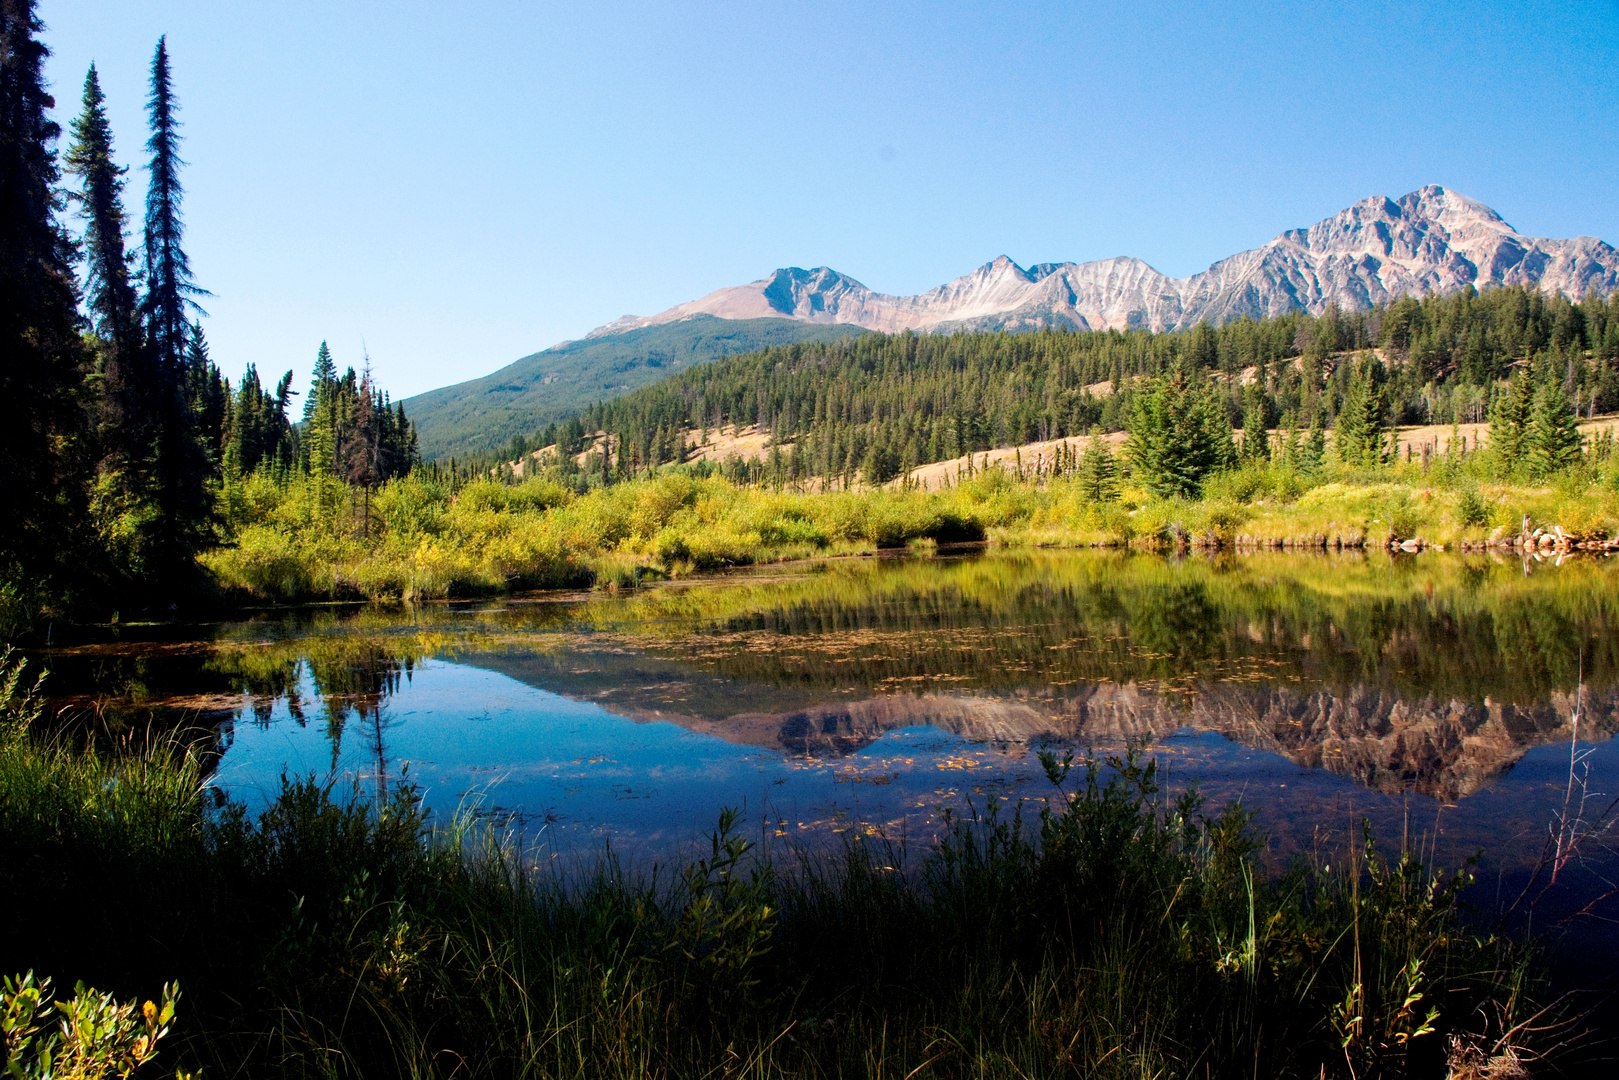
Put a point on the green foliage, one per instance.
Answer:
(93, 1036)
(43, 442)
(1098, 472)
(1552, 442)
(109, 290)
(351, 429)
(1255, 423)
(1179, 437)
(1509, 424)
(304, 537)
(1472, 512)
(1361, 435)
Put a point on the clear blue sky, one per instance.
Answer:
(457, 185)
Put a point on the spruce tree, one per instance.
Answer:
(182, 465)
(129, 410)
(1178, 437)
(1552, 441)
(109, 293)
(1098, 470)
(320, 415)
(1509, 423)
(208, 393)
(42, 470)
(1255, 424)
(170, 290)
(1361, 434)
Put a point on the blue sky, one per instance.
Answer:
(452, 186)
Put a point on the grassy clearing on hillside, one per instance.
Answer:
(1114, 934)
(313, 537)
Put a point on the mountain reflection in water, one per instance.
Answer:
(1431, 675)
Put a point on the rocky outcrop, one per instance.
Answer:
(1430, 241)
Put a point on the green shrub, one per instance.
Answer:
(1472, 512)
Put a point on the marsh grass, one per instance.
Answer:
(1104, 931)
(308, 538)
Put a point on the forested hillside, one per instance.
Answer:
(482, 415)
(877, 406)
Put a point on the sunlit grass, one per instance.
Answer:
(312, 538)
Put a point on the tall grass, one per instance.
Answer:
(1107, 931)
(312, 537)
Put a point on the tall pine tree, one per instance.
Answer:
(1361, 433)
(125, 412)
(1098, 471)
(1509, 423)
(170, 290)
(320, 439)
(41, 352)
(1179, 436)
(182, 465)
(109, 293)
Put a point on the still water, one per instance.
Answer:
(1439, 697)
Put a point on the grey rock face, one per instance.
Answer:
(1430, 241)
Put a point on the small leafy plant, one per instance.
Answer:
(93, 1036)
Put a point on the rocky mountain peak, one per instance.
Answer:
(1432, 240)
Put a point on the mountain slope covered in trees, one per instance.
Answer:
(872, 408)
(483, 414)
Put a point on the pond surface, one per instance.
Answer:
(1438, 697)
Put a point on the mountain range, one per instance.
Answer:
(1430, 241)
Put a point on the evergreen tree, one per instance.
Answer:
(1361, 435)
(170, 290)
(208, 393)
(1178, 437)
(181, 465)
(1509, 423)
(42, 471)
(258, 434)
(109, 293)
(350, 429)
(321, 415)
(1098, 471)
(1313, 454)
(1552, 441)
(1255, 423)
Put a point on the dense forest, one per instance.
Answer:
(118, 432)
(874, 407)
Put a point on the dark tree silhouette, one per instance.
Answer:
(41, 352)
(182, 463)
(170, 290)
